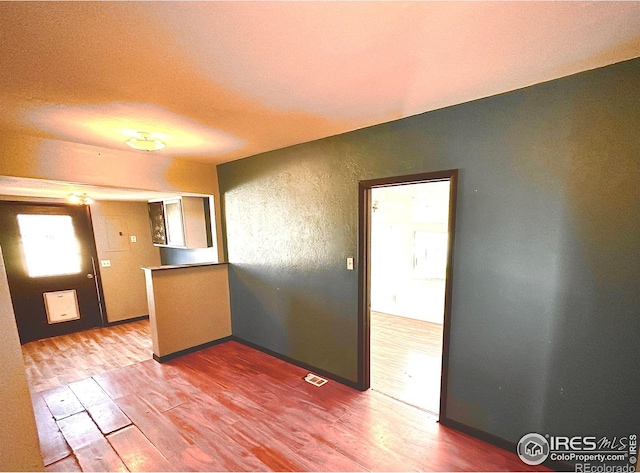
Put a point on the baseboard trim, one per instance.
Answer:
(126, 321)
(318, 371)
(459, 426)
(500, 442)
(186, 351)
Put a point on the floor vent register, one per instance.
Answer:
(315, 379)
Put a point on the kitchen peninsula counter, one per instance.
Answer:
(189, 307)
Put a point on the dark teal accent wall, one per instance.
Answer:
(545, 323)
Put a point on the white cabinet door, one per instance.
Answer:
(174, 222)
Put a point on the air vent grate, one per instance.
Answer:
(314, 379)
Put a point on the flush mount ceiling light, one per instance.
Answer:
(80, 199)
(143, 142)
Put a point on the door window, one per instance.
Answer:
(49, 244)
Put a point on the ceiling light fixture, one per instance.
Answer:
(80, 199)
(143, 142)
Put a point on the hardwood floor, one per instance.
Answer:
(233, 408)
(61, 360)
(406, 358)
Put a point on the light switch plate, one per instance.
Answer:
(133, 239)
(350, 264)
(105, 263)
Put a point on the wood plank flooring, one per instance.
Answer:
(58, 361)
(406, 358)
(232, 408)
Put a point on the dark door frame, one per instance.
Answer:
(364, 271)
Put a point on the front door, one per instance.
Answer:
(50, 256)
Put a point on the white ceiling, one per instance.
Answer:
(219, 81)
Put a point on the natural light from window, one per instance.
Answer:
(50, 245)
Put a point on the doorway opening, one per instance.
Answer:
(406, 250)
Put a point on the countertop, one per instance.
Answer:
(178, 266)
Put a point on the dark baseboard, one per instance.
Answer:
(318, 371)
(126, 321)
(472, 431)
(484, 436)
(171, 356)
(500, 442)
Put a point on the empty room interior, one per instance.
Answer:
(318, 236)
(409, 243)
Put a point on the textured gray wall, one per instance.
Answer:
(545, 323)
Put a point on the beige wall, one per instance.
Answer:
(19, 445)
(407, 278)
(123, 283)
(38, 158)
(41, 158)
(188, 306)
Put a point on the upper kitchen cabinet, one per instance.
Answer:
(181, 222)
